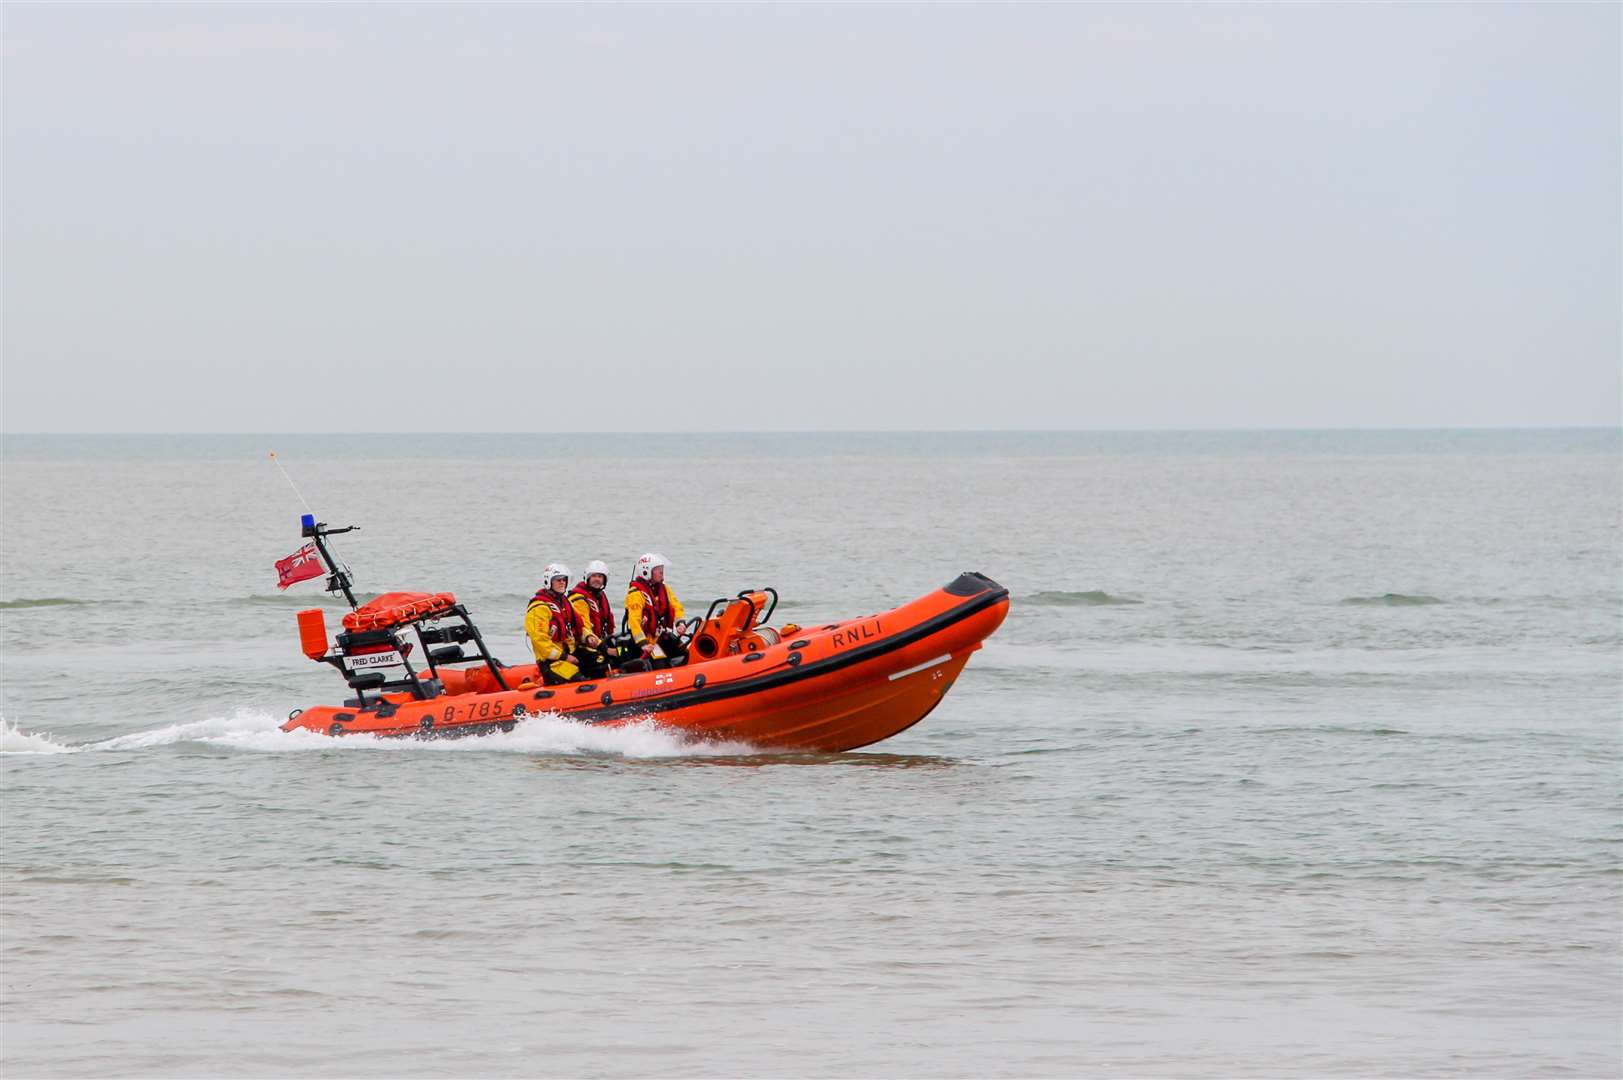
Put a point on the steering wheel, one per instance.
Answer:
(688, 629)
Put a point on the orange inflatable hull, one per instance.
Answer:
(831, 688)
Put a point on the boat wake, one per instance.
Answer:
(259, 732)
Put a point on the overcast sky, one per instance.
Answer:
(518, 218)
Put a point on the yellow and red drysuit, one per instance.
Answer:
(551, 624)
(652, 611)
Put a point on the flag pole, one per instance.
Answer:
(318, 531)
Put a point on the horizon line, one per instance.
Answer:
(834, 431)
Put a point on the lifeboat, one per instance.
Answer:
(832, 687)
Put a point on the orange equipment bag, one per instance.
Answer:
(394, 608)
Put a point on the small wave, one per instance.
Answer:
(13, 740)
(1330, 729)
(1391, 599)
(261, 732)
(44, 601)
(282, 600)
(59, 879)
(1091, 598)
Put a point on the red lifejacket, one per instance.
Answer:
(565, 626)
(656, 614)
(598, 604)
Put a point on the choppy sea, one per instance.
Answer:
(1299, 754)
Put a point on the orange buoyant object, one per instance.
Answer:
(313, 632)
(392, 609)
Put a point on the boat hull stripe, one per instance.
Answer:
(916, 668)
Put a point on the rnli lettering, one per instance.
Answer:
(840, 639)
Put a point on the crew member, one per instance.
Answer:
(652, 612)
(595, 619)
(550, 622)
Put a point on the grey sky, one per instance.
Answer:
(514, 218)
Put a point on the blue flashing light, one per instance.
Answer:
(308, 521)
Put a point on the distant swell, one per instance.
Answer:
(1091, 598)
(1391, 599)
(47, 601)
(283, 600)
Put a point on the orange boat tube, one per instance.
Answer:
(830, 688)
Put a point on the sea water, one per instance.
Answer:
(1299, 753)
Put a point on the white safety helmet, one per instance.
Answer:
(554, 570)
(596, 566)
(645, 566)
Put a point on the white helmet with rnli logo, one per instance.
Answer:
(596, 566)
(553, 571)
(644, 570)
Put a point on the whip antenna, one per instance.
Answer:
(283, 469)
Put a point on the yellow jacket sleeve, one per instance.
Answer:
(583, 612)
(538, 624)
(635, 602)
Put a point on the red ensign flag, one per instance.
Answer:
(303, 564)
